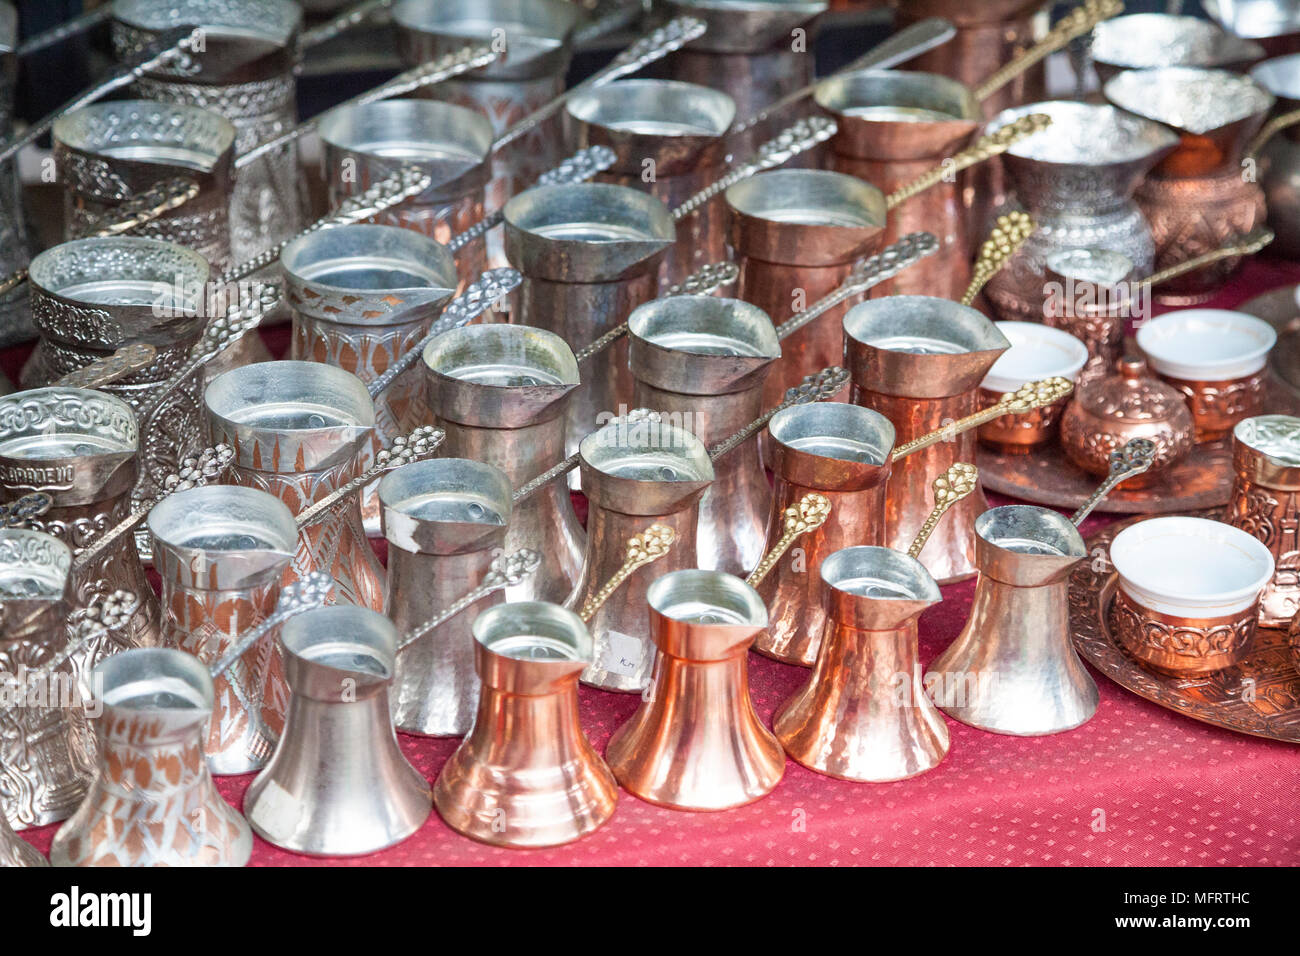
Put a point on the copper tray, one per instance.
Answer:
(1216, 699)
(1279, 309)
(1201, 480)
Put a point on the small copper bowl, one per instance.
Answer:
(1217, 361)
(1107, 412)
(1037, 352)
(1188, 594)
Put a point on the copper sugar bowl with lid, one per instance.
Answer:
(1130, 403)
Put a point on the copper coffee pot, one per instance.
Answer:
(1013, 668)
(526, 775)
(864, 713)
(918, 361)
(1198, 196)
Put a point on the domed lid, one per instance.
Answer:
(1131, 394)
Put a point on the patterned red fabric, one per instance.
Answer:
(1136, 785)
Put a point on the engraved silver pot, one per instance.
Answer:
(299, 431)
(80, 447)
(108, 153)
(47, 753)
(221, 551)
(452, 144)
(92, 296)
(500, 392)
(538, 37)
(589, 254)
(360, 296)
(245, 73)
(445, 520)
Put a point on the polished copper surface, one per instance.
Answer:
(1018, 434)
(1130, 403)
(695, 742)
(1265, 503)
(1184, 646)
(1195, 215)
(1217, 406)
(1259, 694)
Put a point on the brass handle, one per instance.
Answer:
(1074, 24)
(105, 371)
(956, 483)
(644, 548)
(1025, 399)
(1247, 245)
(808, 514)
(1008, 235)
(986, 147)
(1133, 458)
(1269, 130)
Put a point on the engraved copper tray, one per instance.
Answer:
(1222, 698)
(1201, 480)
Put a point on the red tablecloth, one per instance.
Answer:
(1136, 785)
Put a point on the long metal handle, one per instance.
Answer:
(951, 487)
(169, 46)
(643, 548)
(904, 45)
(309, 591)
(799, 137)
(1074, 24)
(583, 165)
(1269, 130)
(1009, 233)
(480, 296)
(506, 571)
(808, 514)
(1023, 400)
(708, 280)
(66, 30)
(125, 361)
(429, 74)
(869, 273)
(112, 613)
(1133, 458)
(209, 466)
(568, 464)
(994, 144)
(1247, 245)
(655, 46)
(394, 188)
(353, 16)
(416, 446)
(821, 387)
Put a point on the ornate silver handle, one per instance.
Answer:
(170, 45)
(210, 465)
(1133, 458)
(430, 74)
(870, 272)
(789, 143)
(825, 385)
(123, 362)
(570, 463)
(394, 188)
(66, 30)
(16, 513)
(349, 18)
(506, 571)
(418, 445)
(902, 46)
(622, 15)
(706, 281)
(583, 165)
(309, 591)
(465, 308)
(654, 46)
(112, 613)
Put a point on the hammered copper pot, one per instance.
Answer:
(892, 127)
(1130, 403)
